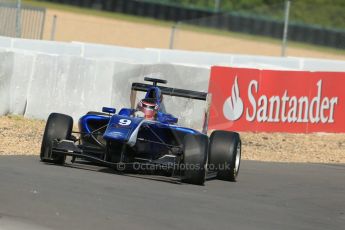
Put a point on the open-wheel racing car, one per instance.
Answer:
(145, 137)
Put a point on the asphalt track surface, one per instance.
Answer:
(35, 195)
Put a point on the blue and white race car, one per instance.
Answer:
(145, 137)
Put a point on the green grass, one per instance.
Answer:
(145, 20)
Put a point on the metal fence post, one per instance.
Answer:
(286, 25)
(18, 19)
(42, 24)
(216, 5)
(172, 36)
(52, 35)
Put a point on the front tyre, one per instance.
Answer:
(58, 127)
(225, 154)
(195, 158)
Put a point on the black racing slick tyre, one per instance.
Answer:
(58, 127)
(194, 159)
(225, 154)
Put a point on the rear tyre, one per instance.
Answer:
(225, 154)
(195, 158)
(58, 127)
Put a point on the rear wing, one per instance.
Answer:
(172, 91)
(190, 94)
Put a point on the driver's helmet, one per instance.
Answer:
(147, 108)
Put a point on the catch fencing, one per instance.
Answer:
(262, 20)
(28, 22)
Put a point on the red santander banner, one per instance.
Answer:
(277, 101)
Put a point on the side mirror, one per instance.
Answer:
(108, 110)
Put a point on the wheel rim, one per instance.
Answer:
(238, 158)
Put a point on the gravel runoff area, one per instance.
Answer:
(95, 29)
(22, 136)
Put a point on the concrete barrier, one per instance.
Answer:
(192, 57)
(154, 56)
(5, 42)
(208, 59)
(189, 112)
(118, 53)
(6, 68)
(265, 62)
(48, 47)
(75, 85)
(312, 64)
(37, 84)
(71, 85)
(40, 77)
(20, 81)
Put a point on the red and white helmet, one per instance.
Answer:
(147, 108)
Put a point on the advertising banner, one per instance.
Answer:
(277, 101)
